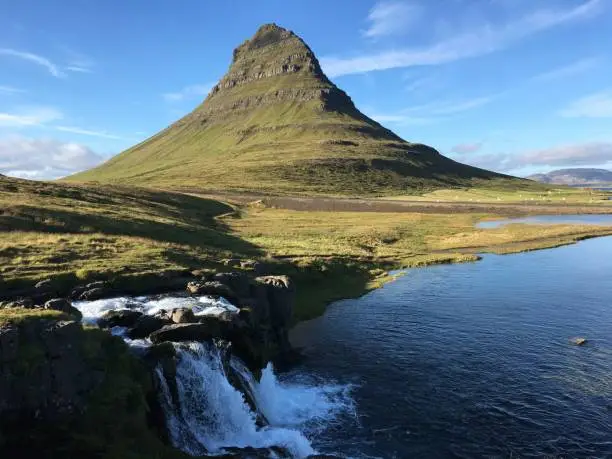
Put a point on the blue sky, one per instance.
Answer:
(518, 86)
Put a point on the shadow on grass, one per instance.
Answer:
(157, 215)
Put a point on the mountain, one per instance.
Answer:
(575, 177)
(276, 123)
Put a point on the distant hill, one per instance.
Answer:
(276, 123)
(575, 177)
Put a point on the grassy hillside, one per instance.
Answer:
(275, 123)
(52, 229)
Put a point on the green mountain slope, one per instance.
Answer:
(276, 123)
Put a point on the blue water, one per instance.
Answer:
(583, 219)
(474, 360)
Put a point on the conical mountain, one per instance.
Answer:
(276, 123)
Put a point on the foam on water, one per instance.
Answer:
(209, 414)
(204, 305)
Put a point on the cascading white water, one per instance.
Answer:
(209, 414)
(212, 414)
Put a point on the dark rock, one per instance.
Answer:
(255, 453)
(259, 268)
(26, 303)
(202, 331)
(59, 304)
(238, 283)
(323, 456)
(43, 372)
(119, 318)
(145, 325)
(281, 298)
(233, 262)
(44, 285)
(93, 294)
(212, 288)
(97, 284)
(182, 316)
(63, 305)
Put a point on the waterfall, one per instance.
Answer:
(212, 414)
(205, 413)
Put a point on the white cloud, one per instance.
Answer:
(88, 132)
(572, 69)
(391, 17)
(400, 119)
(581, 154)
(430, 113)
(476, 41)
(464, 148)
(44, 158)
(11, 90)
(35, 59)
(189, 92)
(597, 105)
(76, 68)
(36, 116)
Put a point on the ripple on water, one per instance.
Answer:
(475, 360)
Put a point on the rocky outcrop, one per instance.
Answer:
(119, 318)
(42, 373)
(204, 331)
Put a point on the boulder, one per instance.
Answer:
(182, 316)
(145, 325)
(281, 298)
(202, 331)
(259, 268)
(233, 262)
(119, 318)
(578, 341)
(238, 283)
(25, 303)
(63, 305)
(214, 288)
(44, 285)
(93, 294)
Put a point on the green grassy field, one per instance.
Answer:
(548, 195)
(81, 233)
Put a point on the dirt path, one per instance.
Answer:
(381, 205)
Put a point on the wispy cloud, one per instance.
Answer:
(36, 116)
(75, 68)
(44, 158)
(569, 70)
(597, 105)
(476, 41)
(87, 132)
(430, 113)
(465, 148)
(52, 68)
(189, 92)
(580, 154)
(401, 119)
(391, 17)
(11, 90)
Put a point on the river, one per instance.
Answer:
(475, 360)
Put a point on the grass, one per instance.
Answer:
(81, 233)
(543, 196)
(22, 315)
(74, 233)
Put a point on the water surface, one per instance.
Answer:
(583, 219)
(474, 360)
